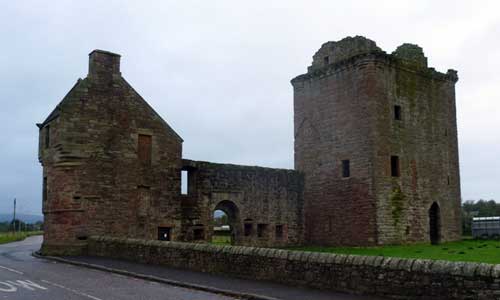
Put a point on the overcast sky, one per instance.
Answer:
(219, 72)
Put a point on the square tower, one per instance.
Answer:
(376, 138)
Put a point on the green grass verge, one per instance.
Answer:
(221, 240)
(7, 237)
(466, 250)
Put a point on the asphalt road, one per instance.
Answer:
(25, 277)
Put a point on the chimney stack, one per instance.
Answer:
(103, 64)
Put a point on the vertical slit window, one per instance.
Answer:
(397, 112)
(184, 182)
(395, 171)
(346, 168)
(44, 189)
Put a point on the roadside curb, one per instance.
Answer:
(246, 296)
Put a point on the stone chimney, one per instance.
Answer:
(103, 64)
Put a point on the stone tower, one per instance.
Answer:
(376, 137)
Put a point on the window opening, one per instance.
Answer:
(248, 229)
(184, 182)
(395, 171)
(164, 233)
(279, 231)
(261, 230)
(397, 112)
(44, 189)
(198, 234)
(346, 168)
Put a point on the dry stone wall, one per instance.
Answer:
(383, 276)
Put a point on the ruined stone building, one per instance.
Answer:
(376, 161)
(376, 138)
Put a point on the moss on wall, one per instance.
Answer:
(396, 199)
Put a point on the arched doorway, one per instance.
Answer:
(221, 234)
(435, 224)
(230, 217)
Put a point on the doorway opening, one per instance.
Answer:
(434, 224)
(225, 223)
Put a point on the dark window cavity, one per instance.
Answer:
(326, 60)
(198, 234)
(248, 229)
(44, 189)
(47, 136)
(279, 231)
(164, 233)
(144, 149)
(397, 112)
(261, 230)
(395, 171)
(346, 168)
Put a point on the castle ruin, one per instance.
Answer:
(376, 161)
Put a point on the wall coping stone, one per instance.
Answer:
(426, 266)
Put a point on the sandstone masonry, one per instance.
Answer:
(112, 166)
(376, 138)
(372, 275)
(376, 161)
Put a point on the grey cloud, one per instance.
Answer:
(219, 71)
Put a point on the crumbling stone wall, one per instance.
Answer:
(372, 275)
(96, 182)
(345, 110)
(264, 205)
(112, 166)
(425, 139)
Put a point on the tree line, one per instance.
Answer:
(18, 225)
(480, 208)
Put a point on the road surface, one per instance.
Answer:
(25, 277)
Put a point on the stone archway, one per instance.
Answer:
(233, 215)
(435, 223)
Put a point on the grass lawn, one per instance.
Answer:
(7, 237)
(221, 240)
(465, 250)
